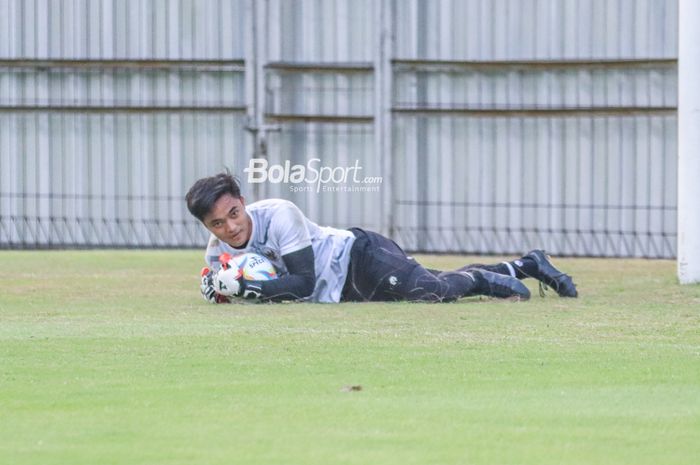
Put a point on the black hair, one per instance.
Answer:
(206, 191)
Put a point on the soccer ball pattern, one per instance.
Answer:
(253, 267)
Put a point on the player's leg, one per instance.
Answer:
(380, 271)
(423, 286)
(534, 264)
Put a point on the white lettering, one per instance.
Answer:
(276, 174)
(297, 174)
(259, 170)
(313, 170)
(256, 166)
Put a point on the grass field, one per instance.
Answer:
(113, 358)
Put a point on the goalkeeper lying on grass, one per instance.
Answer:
(324, 264)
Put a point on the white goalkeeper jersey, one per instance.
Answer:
(280, 228)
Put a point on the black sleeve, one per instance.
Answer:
(297, 284)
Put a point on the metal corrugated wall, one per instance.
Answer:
(536, 123)
(497, 125)
(320, 99)
(108, 109)
(488, 30)
(122, 29)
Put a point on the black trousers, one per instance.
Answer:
(380, 270)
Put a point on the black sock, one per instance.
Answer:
(523, 268)
(500, 268)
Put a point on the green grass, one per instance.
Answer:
(112, 357)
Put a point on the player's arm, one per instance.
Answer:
(297, 284)
(288, 233)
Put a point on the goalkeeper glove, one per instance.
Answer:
(207, 289)
(230, 282)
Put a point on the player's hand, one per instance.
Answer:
(230, 282)
(251, 291)
(207, 289)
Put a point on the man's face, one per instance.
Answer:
(229, 222)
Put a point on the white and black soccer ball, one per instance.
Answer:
(254, 267)
(250, 266)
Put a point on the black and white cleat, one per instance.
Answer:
(550, 276)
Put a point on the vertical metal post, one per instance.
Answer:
(383, 90)
(256, 53)
(688, 142)
(249, 80)
(261, 34)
